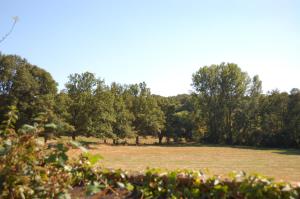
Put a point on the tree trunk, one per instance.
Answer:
(73, 135)
(45, 138)
(116, 141)
(168, 140)
(176, 139)
(160, 137)
(104, 141)
(137, 140)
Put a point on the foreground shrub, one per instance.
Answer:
(28, 168)
(185, 184)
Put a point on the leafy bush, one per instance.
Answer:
(186, 184)
(27, 167)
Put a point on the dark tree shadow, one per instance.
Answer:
(283, 151)
(288, 151)
(87, 144)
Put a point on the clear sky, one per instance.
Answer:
(161, 42)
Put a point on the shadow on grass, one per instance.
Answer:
(283, 151)
(87, 144)
(92, 144)
(288, 151)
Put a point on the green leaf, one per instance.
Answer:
(75, 144)
(93, 158)
(94, 188)
(51, 126)
(2, 150)
(51, 159)
(129, 187)
(8, 143)
(79, 146)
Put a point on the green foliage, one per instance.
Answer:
(114, 111)
(28, 87)
(8, 124)
(220, 89)
(235, 111)
(227, 107)
(90, 107)
(122, 125)
(148, 116)
(24, 169)
(185, 184)
(93, 159)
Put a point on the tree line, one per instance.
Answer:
(226, 107)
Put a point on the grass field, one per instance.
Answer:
(282, 164)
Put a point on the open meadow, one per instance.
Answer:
(282, 164)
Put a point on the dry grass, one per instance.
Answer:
(278, 163)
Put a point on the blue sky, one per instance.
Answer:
(161, 42)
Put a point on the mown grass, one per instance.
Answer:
(282, 164)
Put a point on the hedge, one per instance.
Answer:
(155, 183)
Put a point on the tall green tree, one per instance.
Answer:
(293, 119)
(92, 106)
(122, 125)
(103, 115)
(220, 89)
(148, 117)
(248, 117)
(274, 111)
(28, 87)
(80, 89)
(168, 105)
(61, 110)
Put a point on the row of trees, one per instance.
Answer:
(227, 107)
(87, 106)
(236, 112)
(115, 111)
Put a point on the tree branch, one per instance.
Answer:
(15, 20)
